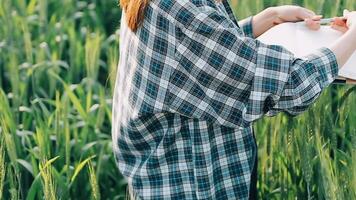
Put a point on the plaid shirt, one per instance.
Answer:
(190, 83)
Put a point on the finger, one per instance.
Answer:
(313, 25)
(339, 21)
(339, 28)
(317, 17)
(346, 12)
(311, 21)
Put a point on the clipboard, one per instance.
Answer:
(300, 40)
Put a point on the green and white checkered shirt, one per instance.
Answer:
(190, 83)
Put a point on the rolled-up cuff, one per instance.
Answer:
(247, 27)
(325, 61)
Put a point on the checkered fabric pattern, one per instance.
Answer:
(190, 83)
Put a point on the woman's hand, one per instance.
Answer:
(294, 14)
(346, 45)
(277, 15)
(343, 24)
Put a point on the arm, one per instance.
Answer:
(258, 24)
(223, 77)
(292, 95)
(343, 49)
(273, 16)
(346, 45)
(261, 22)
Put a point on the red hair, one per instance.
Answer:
(135, 12)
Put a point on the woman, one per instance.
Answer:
(191, 82)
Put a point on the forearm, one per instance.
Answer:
(281, 14)
(345, 47)
(263, 21)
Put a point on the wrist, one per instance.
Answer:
(273, 15)
(353, 29)
(351, 34)
(263, 21)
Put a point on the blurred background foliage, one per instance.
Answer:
(58, 64)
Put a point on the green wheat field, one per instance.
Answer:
(58, 64)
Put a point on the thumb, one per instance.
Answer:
(317, 17)
(346, 12)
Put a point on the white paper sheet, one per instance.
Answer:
(301, 41)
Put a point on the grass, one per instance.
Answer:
(57, 70)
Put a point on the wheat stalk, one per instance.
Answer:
(48, 183)
(2, 164)
(93, 182)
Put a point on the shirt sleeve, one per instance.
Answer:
(301, 90)
(231, 79)
(246, 26)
